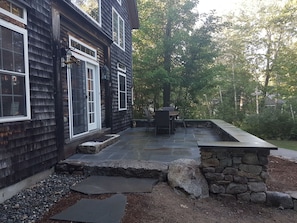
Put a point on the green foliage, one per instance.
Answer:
(220, 67)
(293, 133)
(171, 54)
(270, 124)
(165, 27)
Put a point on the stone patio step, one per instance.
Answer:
(124, 168)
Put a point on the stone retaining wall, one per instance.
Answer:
(238, 173)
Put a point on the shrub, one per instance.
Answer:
(270, 124)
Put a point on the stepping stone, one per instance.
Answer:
(110, 184)
(109, 210)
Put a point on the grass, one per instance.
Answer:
(287, 144)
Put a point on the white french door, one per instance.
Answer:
(84, 98)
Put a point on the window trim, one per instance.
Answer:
(122, 67)
(85, 60)
(100, 13)
(15, 17)
(24, 32)
(119, 19)
(119, 91)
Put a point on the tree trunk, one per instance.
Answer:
(166, 94)
(167, 61)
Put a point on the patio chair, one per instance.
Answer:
(162, 121)
(150, 122)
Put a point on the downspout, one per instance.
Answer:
(108, 92)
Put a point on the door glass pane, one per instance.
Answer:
(79, 106)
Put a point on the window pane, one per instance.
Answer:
(12, 96)
(5, 5)
(18, 43)
(122, 100)
(12, 49)
(6, 85)
(18, 85)
(122, 83)
(12, 8)
(6, 38)
(91, 7)
(83, 48)
(121, 35)
(7, 103)
(13, 106)
(7, 60)
(19, 63)
(17, 11)
(115, 27)
(18, 106)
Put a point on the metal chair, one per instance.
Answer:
(162, 121)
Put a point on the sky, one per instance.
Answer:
(221, 6)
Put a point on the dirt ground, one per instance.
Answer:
(164, 205)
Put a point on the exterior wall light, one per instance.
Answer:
(68, 58)
(105, 73)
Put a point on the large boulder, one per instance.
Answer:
(185, 175)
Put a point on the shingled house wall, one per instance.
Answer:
(29, 147)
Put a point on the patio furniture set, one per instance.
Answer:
(163, 120)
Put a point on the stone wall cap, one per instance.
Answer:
(239, 145)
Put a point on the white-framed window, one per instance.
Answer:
(122, 67)
(118, 29)
(92, 8)
(13, 10)
(120, 2)
(82, 48)
(122, 90)
(14, 73)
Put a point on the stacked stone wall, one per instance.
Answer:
(236, 172)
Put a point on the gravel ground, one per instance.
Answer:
(30, 204)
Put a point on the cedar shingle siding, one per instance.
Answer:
(37, 144)
(29, 147)
(122, 119)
